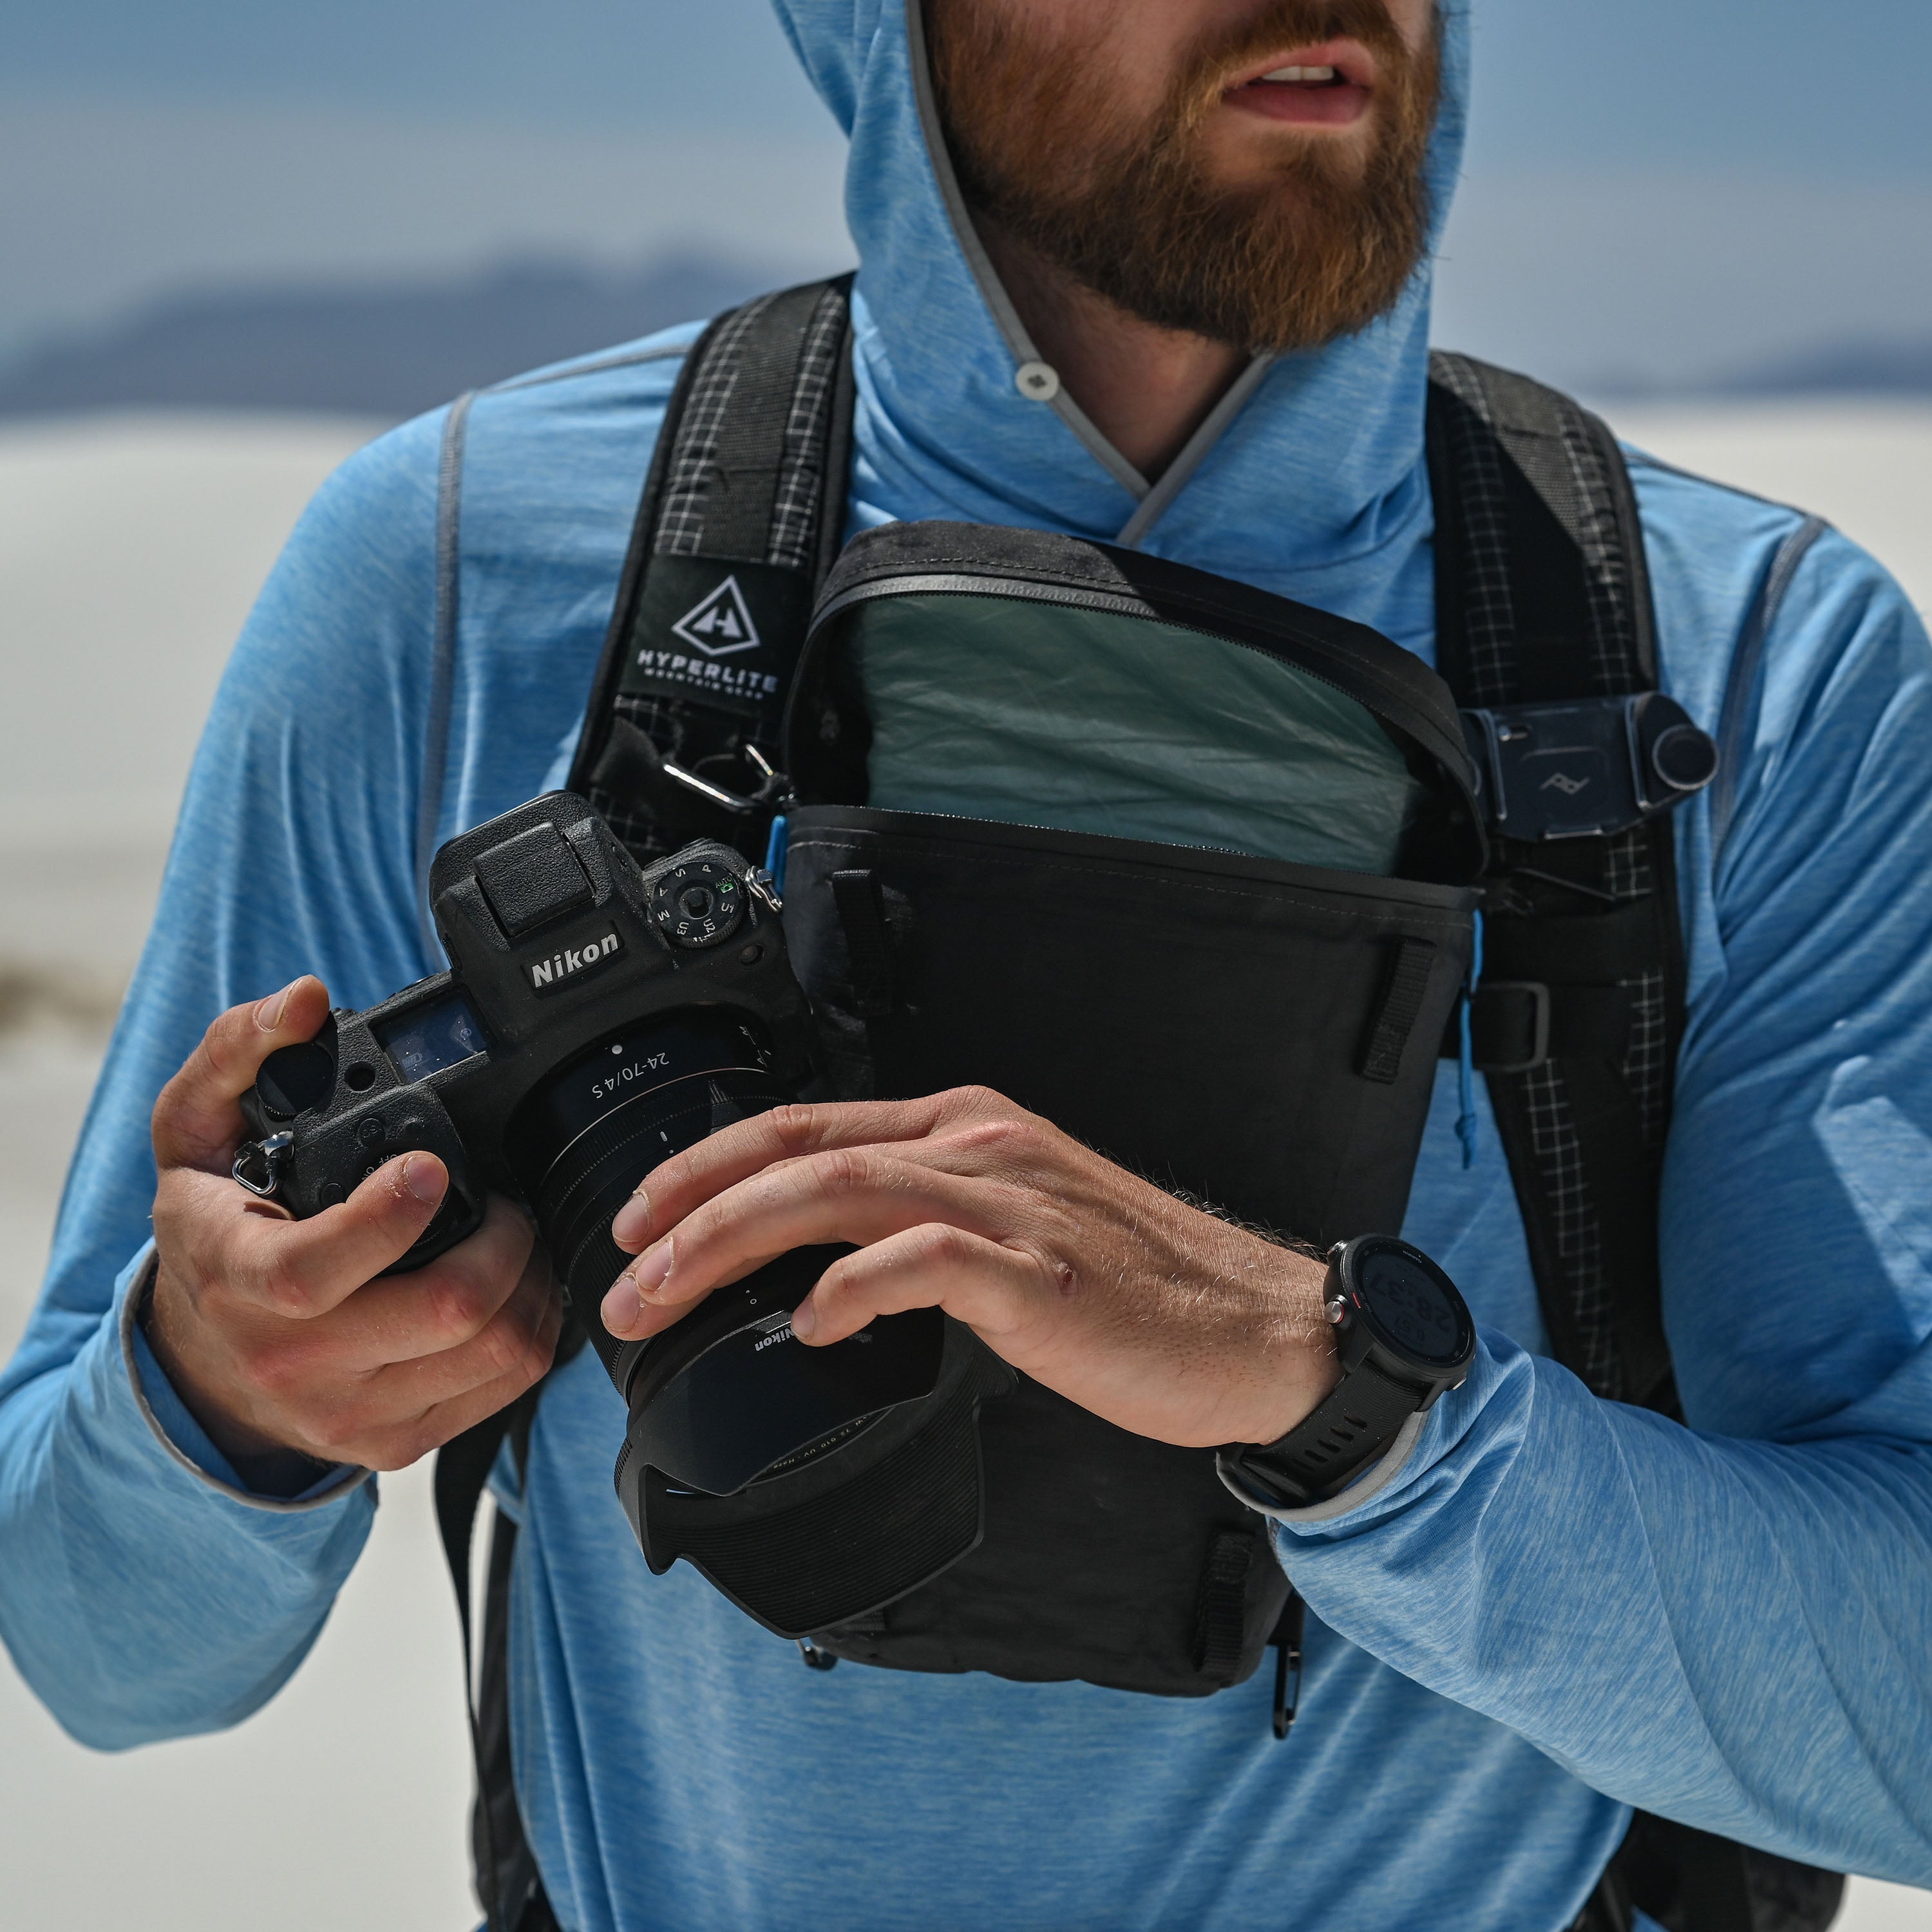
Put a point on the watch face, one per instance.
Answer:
(1410, 1302)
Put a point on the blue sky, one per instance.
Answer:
(1655, 186)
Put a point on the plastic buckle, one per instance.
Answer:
(1538, 996)
(1587, 769)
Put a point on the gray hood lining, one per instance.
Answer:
(1152, 499)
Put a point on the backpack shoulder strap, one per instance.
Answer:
(1542, 594)
(742, 515)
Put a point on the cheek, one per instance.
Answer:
(1414, 19)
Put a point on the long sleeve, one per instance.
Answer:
(143, 1593)
(1731, 1623)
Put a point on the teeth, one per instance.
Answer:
(1301, 73)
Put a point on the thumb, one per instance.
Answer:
(198, 1118)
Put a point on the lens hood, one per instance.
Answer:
(811, 1539)
(729, 1392)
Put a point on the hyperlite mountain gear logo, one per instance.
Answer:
(720, 623)
(722, 630)
(546, 973)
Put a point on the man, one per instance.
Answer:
(1547, 1609)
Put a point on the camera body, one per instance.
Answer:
(559, 947)
(597, 1018)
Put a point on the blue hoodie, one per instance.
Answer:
(1552, 1608)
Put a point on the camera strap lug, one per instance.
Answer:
(258, 1164)
(765, 888)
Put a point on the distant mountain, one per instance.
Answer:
(1870, 368)
(389, 350)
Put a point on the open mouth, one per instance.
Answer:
(1302, 76)
(1326, 86)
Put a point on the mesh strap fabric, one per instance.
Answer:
(752, 453)
(750, 464)
(1543, 594)
(1504, 449)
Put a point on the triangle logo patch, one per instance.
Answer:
(719, 623)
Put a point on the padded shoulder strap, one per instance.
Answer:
(742, 514)
(1542, 594)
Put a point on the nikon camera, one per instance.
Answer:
(597, 1018)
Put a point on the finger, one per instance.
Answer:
(448, 1420)
(302, 1269)
(993, 1288)
(860, 1194)
(673, 1188)
(520, 1335)
(430, 1311)
(197, 1120)
(374, 1434)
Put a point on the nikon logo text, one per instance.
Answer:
(560, 965)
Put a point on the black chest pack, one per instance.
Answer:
(1255, 1034)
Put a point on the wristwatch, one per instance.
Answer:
(1403, 1334)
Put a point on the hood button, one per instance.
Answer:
(1038, 382)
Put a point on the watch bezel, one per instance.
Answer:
(1348, 1259)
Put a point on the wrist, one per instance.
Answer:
(165, 1318)
(1402, 1335)
(1298, 1362)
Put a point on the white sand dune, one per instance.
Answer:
(129, 549)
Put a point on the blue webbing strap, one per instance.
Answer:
(1465, 1069)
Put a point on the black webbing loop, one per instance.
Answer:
(1220, 1606)
(1403, 991)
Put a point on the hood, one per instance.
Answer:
(1308, 480)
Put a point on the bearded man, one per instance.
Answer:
(1155, 272)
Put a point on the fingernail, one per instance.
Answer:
(652, 1269)
(804, 1319)
(424, 1179)
(632, 1222)
(268, 1012)
(621, 1305)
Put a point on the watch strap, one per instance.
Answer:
(1357, 1420)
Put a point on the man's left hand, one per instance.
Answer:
(1162, 1318)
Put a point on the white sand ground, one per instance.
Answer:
(129, 549)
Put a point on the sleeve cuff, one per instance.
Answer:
(178, 1432)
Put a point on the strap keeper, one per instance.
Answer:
(1510, 1020)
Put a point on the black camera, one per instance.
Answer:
(597, 1018)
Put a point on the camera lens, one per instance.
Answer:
(600, 1123)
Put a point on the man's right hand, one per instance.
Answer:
(278, 1333)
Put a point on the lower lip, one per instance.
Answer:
(1302, 106)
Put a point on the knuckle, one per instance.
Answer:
(459, 1304)
(939, 1245)
(977, 1100)
(796, 1124)
(280, 1285)
(844, 1170)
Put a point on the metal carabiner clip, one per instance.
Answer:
(762, 800)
